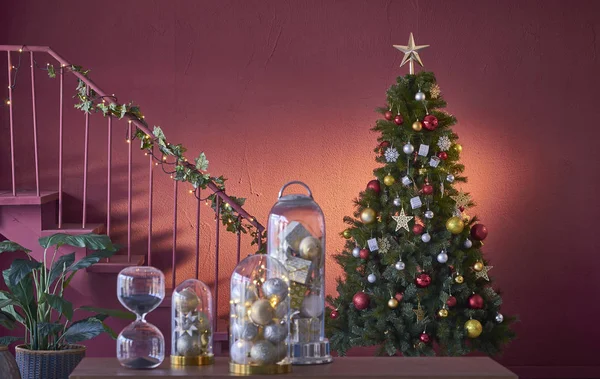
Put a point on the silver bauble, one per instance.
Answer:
(186, 300)
(419, 96)
(468, 244)
(356, 252)
(429, 214)
(241, 293)
(397, 202)
(275, 332)
(281, 310)
(276, 289)
(442, 257)
(261, 312)
(188, 346)
(371, 278)
(408, 149)
(310, 248)
(244, 329)
(449, 178)
(426, 237)
(240, 352)
(399, 266)
(499, 318)
(263, 353)
(312, 306)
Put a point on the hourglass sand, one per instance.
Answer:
(141, 345)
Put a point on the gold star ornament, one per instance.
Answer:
(411, 53)
(419, 312)
(402, 220)
(462, 199)
(483, 273)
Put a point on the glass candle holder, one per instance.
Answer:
(259, 317)
(296, 238)
(192, 324)
(141, 345)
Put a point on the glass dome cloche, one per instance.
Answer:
(259, 317)
(296, 238)
(192, 324)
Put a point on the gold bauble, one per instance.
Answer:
(347, 234)
(188, 346)
(186, 300)
(310, 248)
(388, 180)
(422, 171)
(459, 279)
(458, 148)
(473, 328)
(393, 303)
(261, 312)
(368, 215)
(455, 225)
(478, 266)
(443, 313)
(417, 126)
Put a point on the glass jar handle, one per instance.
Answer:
(295, 182)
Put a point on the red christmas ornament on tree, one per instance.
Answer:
(430, 122)
(398, 119)
(399, 296)
(423, 280)
(418, 229)
(388, 115)
(424, 337)
(476, 301)
(384, 145)
(364, 254)
(461, 208)
(451, 302)
(443, 155)
(334, 314)
(361, 301)
(479, 232)
(374, 186)
(427, 189)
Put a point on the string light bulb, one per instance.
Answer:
(7, 102)
(20, 50)
(128, 140)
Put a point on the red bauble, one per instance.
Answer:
(427, 189)
(418, 229)
(334, 314)
(479, 232)
(461, 208)
(374, 186)
(443, 155)
(388, 115)
(451, 302)
(364, 254)
(398, 119)
(361, 301)
(399, 296)
(423, 280)
(476, 301)
(384, 145)
(430, 122)
(425, 338)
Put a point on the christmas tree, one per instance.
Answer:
(416, 281)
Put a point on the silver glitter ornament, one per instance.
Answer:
(429, 214)
(449, 178)
(261, 312)
(371, 278)
(426, 237)
(240, 352)
(263, 353)
(397, 202)
(356, 252)
(245, 330)
(442, 257)
(275, 332)
(468, 244)
(188, 346)
(275, 288)
(408, 149)
(399, 266)
(499, 318)
(419, 96)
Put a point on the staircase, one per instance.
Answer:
(53, 204)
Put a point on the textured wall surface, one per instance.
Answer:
(279, 90)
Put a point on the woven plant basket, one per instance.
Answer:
(48, 364)
(8, 366)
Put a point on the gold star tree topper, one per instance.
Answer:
(402, 220)
(411, 53)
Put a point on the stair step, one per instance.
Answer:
(116, 263)
(27, 197)
(76, 229)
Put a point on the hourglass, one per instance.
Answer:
(141, 345)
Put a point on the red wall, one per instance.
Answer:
(276, 90)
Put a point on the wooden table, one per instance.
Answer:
(346, 367)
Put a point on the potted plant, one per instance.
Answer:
(35, 299)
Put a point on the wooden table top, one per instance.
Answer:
(345, 367)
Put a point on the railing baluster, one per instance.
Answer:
(218, 218)
(150, 191)
(199, 194)
(86, 143)
(60, 147)
(10, 117)
(35, 138)
(129, 185)
(174, 262)
(109, 175)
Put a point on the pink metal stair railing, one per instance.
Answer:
(16, 197)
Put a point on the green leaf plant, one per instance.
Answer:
(35, 296)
